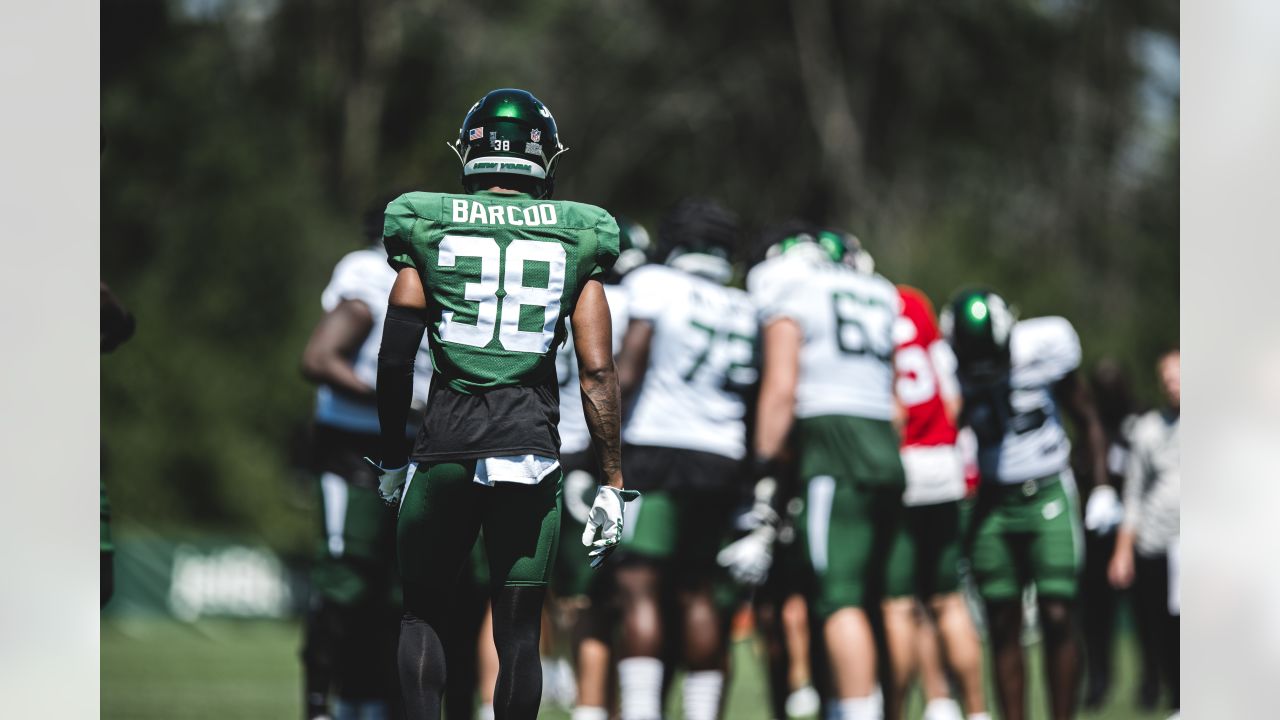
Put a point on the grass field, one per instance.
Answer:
(161, 669)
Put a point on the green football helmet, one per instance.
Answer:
(839, 246)
(509, 139)
(830, 242)
(978, 323)
(634, 246)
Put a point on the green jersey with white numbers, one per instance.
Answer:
(501, 273)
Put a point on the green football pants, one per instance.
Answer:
(1026, 533)
(442, 513)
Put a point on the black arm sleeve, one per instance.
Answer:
(401, 336)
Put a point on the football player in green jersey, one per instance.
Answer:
(491, 276)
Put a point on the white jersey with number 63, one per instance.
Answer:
(847, 317)
(701, 355)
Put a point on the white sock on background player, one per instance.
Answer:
(485, 712)
(559, 687)
(803, 702)
(590, 713)
(942, 709)
(864, 708)
(640, 687)
(980, 716)
(702, 694)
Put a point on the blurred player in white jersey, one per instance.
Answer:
(1025, 530)
(352, 622)
(688, 357)
(587, 628)
(925, 563)
(827, 385)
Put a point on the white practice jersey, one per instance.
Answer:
(574, 436)
(846, 362)
(1042, 351)
(365, 276)
(702, 354)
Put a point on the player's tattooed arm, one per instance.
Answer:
(334, 341)
(1073, 393)
(601, 399)
(401, 336)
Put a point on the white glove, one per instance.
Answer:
(1103, 511)
(606, 516)
(749, 558)
(390, 481)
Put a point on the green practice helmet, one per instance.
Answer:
(634, 246)
(977, 323)
(509, 139)
(839, 245)
(828, 240)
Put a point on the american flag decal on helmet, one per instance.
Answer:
(476, 133)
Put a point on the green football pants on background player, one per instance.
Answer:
(1028, 533)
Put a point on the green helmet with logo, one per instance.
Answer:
(509, 139)
(978, 323)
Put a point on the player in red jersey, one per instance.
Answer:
(924, 561)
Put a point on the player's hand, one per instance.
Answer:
(1103, 512)
(750, 557)
(1120, 569)
(606, 515)
(390, 481)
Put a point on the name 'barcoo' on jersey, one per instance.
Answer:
(477, 213)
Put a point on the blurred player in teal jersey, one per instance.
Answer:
(491, 276)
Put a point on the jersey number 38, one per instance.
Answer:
(501, 285)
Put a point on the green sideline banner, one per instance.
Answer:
(189, 580)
